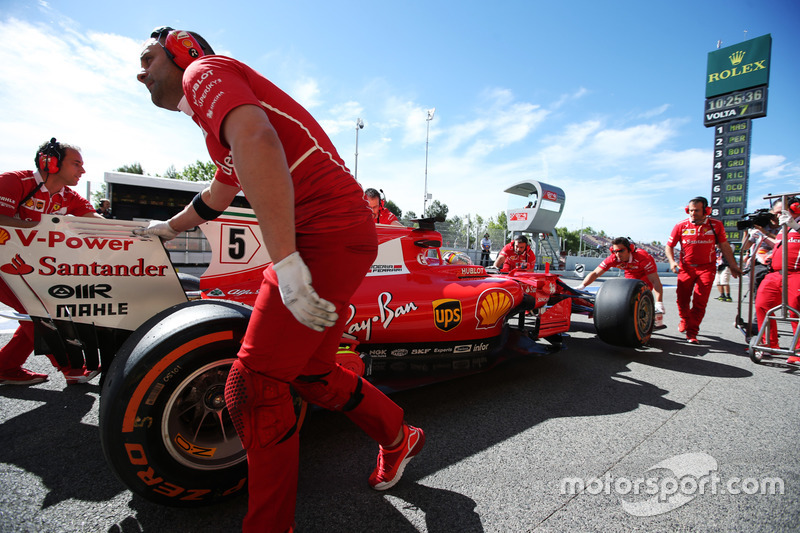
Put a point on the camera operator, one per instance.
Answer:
(771, 291)
(765, 234)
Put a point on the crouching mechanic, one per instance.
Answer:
(516, 255)
(770, 292)
(637, 264)
(317, 229)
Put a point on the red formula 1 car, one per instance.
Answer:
(98, 294)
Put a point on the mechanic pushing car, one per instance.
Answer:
(516, 255)
(317, 229)
(637, 264)
(24, 197)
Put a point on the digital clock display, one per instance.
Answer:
(750, 103)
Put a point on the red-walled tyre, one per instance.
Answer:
(624, 312)
(164, 425)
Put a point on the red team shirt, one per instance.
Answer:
(640, 265)
(14, 186)
(325, 200)
(793, 265)
(698, 241)
(385, 216)
(513, 259)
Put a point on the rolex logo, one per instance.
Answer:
(737, 57)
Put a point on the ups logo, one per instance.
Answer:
(446, 314)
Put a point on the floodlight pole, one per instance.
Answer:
(359, 126)
(427, 137)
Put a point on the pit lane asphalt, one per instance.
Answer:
(499, 447)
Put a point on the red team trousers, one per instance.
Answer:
(15, 353)
(770, 294)
(278, 351)
(693, 291)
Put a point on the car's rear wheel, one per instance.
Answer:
(624, 312)
(164, 425)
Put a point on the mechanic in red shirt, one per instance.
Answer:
(770, 292)
(316, 228)
(25, 196)
(516, 254)
(380, 215)
(637, 264)
(698, 236)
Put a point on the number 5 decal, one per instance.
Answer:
(239, 243)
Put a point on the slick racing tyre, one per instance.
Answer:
(624, 312)
(164, 426)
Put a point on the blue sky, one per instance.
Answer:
(603, 99)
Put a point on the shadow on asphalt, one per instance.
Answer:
(462, 418)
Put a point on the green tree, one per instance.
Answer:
(411, 215)
(437, 209)
(100, 194)
(391, 206)
(135, 168)
(171, 173)
(199, 171)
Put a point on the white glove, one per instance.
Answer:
(786, 218)
(294, 282)
(660, 307)
(580, 287)
(159, 228)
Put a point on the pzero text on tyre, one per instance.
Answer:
(624, 312)
(164, 425)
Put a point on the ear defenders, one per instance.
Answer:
(181, 47)
(49, 157)
(700, 200)
(793, 205)
(630, 248)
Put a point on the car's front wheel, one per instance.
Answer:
(624, 312)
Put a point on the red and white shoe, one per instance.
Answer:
(21, 376)
(793, 360)
(76, 376)
(392, 462)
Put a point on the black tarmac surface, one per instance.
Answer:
(699, 432)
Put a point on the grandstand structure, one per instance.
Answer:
(599, 245)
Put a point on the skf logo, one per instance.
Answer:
(4, 236)
(493, 304)
(446, 314)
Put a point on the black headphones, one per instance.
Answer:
(49, 157)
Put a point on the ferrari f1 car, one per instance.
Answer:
(102, 297)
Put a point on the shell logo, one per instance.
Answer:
(493, 304)
(4, 236)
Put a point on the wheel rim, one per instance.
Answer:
(644, 316)
(196, 428)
